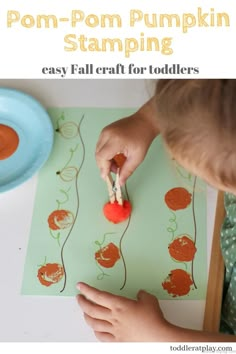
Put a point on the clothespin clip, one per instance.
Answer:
(114, 189)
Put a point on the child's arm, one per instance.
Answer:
(131, 136)
(118, 319)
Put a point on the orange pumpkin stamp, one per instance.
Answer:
(9, 141)
(178, 283)
(108, 255)
(50, 273)
(178, 198)
(182, 249)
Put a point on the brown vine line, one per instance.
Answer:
(195, 226)
(77, 207)
(120, 243)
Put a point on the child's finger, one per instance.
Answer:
(104, 337)
(147, 298)
(127, 169)
(99, 297)
(104, 156)
(98, 325)
(92, 309)
(101, 142)
(104, 166)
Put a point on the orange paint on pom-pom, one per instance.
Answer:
(119, 159)
(117, 213)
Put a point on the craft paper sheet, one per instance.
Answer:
(161, 248)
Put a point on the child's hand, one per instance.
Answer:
(119, 319)
(131, 136)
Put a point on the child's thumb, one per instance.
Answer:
(145, 297)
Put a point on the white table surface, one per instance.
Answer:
(54, 319)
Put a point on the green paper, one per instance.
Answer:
(70, 181)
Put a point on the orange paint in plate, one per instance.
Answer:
(9, 141)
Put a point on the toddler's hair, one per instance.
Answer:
(197, 119)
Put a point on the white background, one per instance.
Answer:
(48, 319)
(24, 51)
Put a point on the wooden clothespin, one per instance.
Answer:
(110, 187)
(114, 189)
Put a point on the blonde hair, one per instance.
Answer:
(197, 119)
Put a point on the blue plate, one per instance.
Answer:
(35, 131)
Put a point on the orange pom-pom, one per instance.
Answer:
(117, 213)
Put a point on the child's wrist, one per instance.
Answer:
(168, 332)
